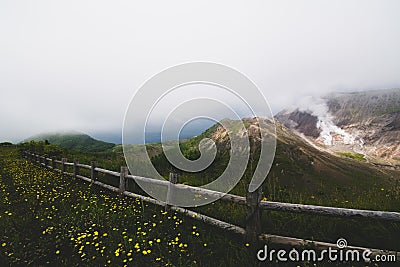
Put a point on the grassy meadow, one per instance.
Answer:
(50, 219)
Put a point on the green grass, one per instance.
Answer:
(48, 219)
(350, 184)
(293, 179)
(356, 156)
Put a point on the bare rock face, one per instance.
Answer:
(301, 121)
(361, 122)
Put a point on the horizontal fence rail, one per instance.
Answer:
(252, 201)
(330, 211)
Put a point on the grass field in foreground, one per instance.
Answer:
(47, 219)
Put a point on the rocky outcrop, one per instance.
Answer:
(362, 122)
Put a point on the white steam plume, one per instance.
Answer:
(318, 107)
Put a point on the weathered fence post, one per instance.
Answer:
(93, 172)
(253, 216)
(173, 180)
(53, 163)
(122, 179)
(76, 167)
(63, 166)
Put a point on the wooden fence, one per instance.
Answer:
(252, 201)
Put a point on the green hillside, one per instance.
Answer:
(74, 141)
(299, 170)
(48, 219)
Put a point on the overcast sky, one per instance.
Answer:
(76, 64)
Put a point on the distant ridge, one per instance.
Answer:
(73, 140)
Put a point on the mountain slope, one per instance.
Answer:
(300, 168)
(74, 140)
(366, 123)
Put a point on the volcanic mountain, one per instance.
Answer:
(364, 124)
(299, 166)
